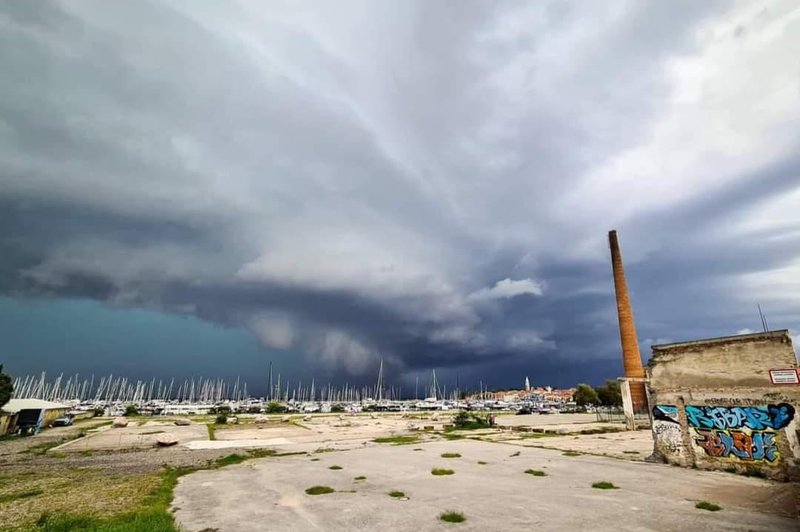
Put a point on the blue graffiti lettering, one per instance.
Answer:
(773, 417)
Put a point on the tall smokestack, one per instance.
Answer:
(631, 358)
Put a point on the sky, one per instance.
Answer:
(198, 188)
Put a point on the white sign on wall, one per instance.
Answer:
(784, 376)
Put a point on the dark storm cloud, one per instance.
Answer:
(425, 182)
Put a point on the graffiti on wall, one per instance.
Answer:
(666, 429)
(744, 433)
(759, 417)
(752, 447)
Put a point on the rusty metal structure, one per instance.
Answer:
(631, 357)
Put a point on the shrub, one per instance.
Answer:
(362, 477)
(396, 494)
(451, 455)
(275, 407)
(440, 472)
(468, 421)
(131, 410)
(337, 408)
(221, 419)
(335, 467)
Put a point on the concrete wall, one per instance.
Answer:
(714, 407)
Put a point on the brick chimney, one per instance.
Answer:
(631, 358)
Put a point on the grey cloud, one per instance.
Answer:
(363, 180)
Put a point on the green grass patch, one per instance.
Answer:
(261, 453)
(481, 462)
(335, 467)
(436, 471)
(361, 477)
(419, 449)
(315, 459)
(451, 437)
(571, 453)
(154, 516)
(396, 494)
(319, 490)
(536, 472)
(41, 448)
(397, 440)
(452, 517)
(230, 459)
(537, 435)
(604, 485)
(451, 455)
(710, 506)
(8, 497)
(212, 432)
(87, 452)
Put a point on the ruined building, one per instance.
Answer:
(727, 403)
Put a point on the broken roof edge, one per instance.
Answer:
(778, 333)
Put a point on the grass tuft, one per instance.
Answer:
(452, 517)
(440, 472)
(397, 440)
(481, 462)
(362, 477)
(710, 506)
(513, 454)
(319, 490)
(536, 472)
(396, 494)
(324, 450)
(604, 485)
(571, 453)
(451, 455)
(335, 467)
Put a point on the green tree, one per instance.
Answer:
(585, 395)
(6, 387)
(131, 410)
(610, 394)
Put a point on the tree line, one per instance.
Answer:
(608, 394)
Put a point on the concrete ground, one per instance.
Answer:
(633, 445)
(269, 494)
(329, 432)
(134, 436)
